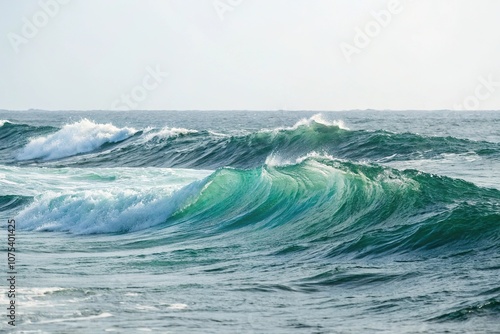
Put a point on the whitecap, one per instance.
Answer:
(80, 137)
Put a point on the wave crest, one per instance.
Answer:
(203, 149)
(319, 119)
(80, 137)
(165, 133)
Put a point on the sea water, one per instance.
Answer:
(253, 222)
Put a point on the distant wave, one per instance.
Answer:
(80, 137)
(86, 143)
(355, 209)
(308, 122)
(165, 133)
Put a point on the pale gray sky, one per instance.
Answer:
(249, 54)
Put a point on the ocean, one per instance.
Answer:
(252, 222)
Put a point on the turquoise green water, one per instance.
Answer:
(224, 222)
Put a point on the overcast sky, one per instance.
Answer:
(249, 54)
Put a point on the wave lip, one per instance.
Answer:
(3, 121)
(310, 123)
(80, 137)
(167, 132)
(318, 119)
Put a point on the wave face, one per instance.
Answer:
(355, 209)
(86, 143)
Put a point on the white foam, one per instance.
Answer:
(218, 134)
(318, 119)
(80, 137)
(2, 122)
(275, 160)
(307, 122)
(167, 133)
(83, 318)
(178, 306)
(315, 155)
(146, 307)
(33, 297)
(467, 156)
(37, 292)
(131, 294)
(105, 210)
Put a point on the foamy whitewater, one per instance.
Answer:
(80, 137)
(253, 222)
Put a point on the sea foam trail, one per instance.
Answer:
(80, 137)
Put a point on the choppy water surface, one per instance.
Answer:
(254, 222)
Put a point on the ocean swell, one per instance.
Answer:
(85, 143)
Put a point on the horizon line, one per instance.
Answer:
(244, 110)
